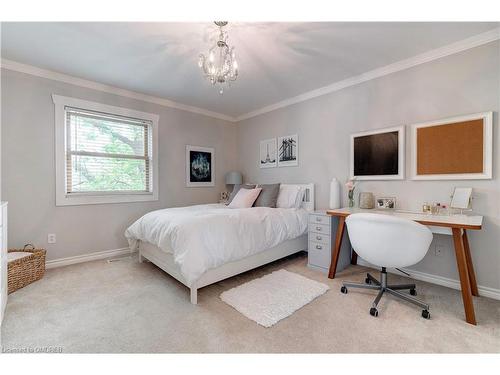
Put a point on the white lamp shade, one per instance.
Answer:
(233, 178)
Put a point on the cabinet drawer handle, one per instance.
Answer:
(318, 228)
(319, 219)
(318, 238)
(319, 247)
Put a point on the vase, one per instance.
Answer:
(334, 194)
(366, 200)
(351, 198)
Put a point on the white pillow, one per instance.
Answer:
(245, 198)
(290, 196)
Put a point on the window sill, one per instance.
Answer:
(84, 199)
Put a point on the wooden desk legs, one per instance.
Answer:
(470, 267)
(464, 272)
(336, 247)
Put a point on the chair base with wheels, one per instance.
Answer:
(382, 287)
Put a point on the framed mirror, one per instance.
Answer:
(461, 198)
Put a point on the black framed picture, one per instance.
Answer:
(200, 166)
(378, 154)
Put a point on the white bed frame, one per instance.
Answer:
(166, 262)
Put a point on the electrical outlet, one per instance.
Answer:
(51, 238)
(439, 250)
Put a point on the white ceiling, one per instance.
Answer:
(277, 60)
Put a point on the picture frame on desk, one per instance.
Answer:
(385, 203)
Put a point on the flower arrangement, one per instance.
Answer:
(350, 186)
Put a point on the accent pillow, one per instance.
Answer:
(289, 197)
(268, 197)
(245, 198)
(237, 188)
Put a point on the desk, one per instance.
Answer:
(458, 224)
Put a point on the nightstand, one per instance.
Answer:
(322, 229)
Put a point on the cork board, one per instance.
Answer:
(454, 148)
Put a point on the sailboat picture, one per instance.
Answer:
(268, 155)
(288, 151)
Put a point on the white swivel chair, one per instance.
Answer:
(388, 241)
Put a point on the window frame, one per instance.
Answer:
(63, 198)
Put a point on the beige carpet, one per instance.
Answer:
(130, 307)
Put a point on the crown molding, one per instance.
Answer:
(56, 76)
(435, 54)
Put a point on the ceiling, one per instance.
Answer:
(277, 60)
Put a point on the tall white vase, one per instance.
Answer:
(334, 194)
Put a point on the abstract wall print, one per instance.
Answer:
(200, 166)
(268, 153)
(458, 148)
(378, 154)
(288, 151)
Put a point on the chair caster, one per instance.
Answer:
(426, 314)
(413, 292)
(368, 281)
(343, 290)
(374, 312)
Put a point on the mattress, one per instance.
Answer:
(202, 237)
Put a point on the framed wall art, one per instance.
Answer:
(378, 154)
(457, 148)
(200, 166)
(268, 153)
(288, 151)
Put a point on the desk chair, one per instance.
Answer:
(388, 241)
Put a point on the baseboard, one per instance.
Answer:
(87, 257)
(484, 291)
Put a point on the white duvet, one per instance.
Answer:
(206, 236)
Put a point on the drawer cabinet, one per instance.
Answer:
(320, 228)
(321, 233)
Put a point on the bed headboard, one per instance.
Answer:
(308, 202)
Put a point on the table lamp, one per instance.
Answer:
(233, 178)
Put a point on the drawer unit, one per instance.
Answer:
(319, 219)
(319, 256)
(321, 238)
(322, 231)
(320, 228)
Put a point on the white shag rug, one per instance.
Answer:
(273, 297)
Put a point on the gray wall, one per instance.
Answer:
(463, 83)
(28, 175)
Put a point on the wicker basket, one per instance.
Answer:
(26, 270)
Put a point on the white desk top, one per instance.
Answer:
(453, 221)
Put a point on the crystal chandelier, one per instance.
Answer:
(220, 67)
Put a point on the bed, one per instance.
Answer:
(213, 242)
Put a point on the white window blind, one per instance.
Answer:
(107, 154)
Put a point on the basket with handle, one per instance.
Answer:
(25, 270)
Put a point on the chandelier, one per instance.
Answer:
(220, 67)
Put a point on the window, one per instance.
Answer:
(104, 154)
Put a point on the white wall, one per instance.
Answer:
(29, 178)
(463, 83)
